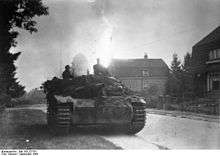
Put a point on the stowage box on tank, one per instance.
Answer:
(93, 100)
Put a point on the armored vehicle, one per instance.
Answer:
(92, 100)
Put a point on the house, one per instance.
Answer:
(206, 65)
(140, 74)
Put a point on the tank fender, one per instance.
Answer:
(64, 99)
(136, 99)
(76, 102)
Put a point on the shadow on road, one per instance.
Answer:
(43, 130)
(27, 129)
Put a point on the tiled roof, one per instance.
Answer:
(139, 62)
(134, 67)
(213, 36)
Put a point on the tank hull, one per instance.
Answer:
(103, 110)
(121, 111)
(93, 100)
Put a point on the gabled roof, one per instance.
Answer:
(134, 67)
(213, 36)
(138, 62)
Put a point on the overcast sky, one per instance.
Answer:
(112, 29)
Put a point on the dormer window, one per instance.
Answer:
(214, 54)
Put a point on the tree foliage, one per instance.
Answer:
(15, 14)
(180, 78)
(173, 86)
(176, 65)
(35, 96)
(187, 74)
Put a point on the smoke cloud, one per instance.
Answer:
(111, 28)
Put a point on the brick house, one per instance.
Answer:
(140, 74)
(206, 65)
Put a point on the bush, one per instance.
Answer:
(152, 102)
(201, 105)
(35, 96)
(20, 101)
(197, 105)
(4, 100)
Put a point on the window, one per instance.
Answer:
(216, 85)
(218, 53)
(214, 54)
(145, 85)
(145, 73)
(210, 55)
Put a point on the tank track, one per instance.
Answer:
(139, 118)
(59, 119)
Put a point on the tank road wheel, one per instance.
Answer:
(139, 117)
(60, 122)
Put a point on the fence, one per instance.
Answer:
(197, 105)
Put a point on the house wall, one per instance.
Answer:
(134, 83)
(139, 83)
(200, 54)
(160, 82)
(141, 74)
(200, 85)
(201, 69)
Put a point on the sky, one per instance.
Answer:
(111, 29)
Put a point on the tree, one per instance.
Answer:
(15, 14)
(180, 80)
(176, 65)
(173, 85)
(187, 63)
(187, 75)
(36, 96)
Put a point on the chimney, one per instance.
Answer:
(145, 56)
(98, 61)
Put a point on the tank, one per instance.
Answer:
(92, 100)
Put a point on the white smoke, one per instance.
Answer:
(79, 65)
(103, 46)
(93, 36)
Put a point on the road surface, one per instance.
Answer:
(162, 131)
(25, 128)
(168, 132)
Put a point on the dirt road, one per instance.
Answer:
(176, 131)
(25, 128)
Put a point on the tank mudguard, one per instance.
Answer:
(136, 99)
